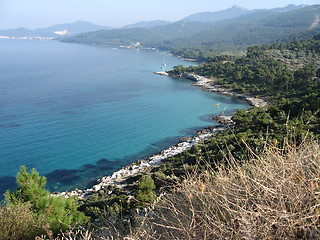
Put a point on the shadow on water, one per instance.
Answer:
(87, 175)
(63, 176)
(224, 99)
(7, 183)
(69, 179)
(207, 118)
(10, 125)
(188, 132)
(165, 143)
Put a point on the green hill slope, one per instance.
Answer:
(256, 28)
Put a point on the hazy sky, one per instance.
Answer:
(42, 13)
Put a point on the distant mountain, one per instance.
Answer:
(234, 12)
(18, 32)
(72, 28)
(147, 24)
(255, 27)
(54, 31)
(229, 13)
(288, 8)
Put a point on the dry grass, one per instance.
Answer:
(19, 222)
(275, 196)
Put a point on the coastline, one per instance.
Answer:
(208, 85)
(119, 177)
(141, 166)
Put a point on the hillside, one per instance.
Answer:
(257, 27)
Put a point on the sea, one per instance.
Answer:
(79, 112)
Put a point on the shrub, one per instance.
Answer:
(18, 221)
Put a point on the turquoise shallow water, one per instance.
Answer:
(77, 112)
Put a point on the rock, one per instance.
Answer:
(223, 119)
(186, 139)
(256, 102)
(162, 73)
(96, 188)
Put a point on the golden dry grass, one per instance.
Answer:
(276, 195)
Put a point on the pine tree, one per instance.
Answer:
(144, 193)
(59, 212)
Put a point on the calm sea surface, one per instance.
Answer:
(76, 113)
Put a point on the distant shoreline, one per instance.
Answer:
(31, 38)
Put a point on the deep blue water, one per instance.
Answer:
(77, 112)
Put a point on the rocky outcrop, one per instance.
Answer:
(164, 73)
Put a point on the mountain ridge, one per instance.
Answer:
(146, 24)
(229, 13)
(71, 28)
(234, 12)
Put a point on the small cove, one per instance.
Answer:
(77, 112)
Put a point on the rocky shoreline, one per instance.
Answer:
(119, 177)
(141, 166)
(208, 85)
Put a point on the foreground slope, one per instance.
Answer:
(274, 196)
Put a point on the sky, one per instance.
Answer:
(43, 13)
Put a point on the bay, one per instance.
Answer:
(76, 112)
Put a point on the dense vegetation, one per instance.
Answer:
(255, 28)
(294, 95)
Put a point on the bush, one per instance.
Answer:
(18, 221)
